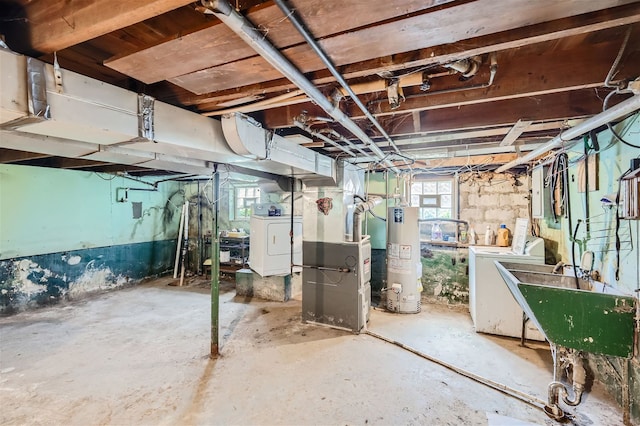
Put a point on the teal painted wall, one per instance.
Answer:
(50, 210)
(600, 239)
(613, 160)
(65, 233)
(376, 228)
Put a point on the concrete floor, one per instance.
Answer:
(140, 356)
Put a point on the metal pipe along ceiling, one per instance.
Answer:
(327, 61)
(309, 130)
(254, 38)
(623, 108)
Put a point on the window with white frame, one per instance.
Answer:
(241, 200)
(435, 197)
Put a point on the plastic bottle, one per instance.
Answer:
(473, 237)
(488, 236)
(503, 236)
(436, 232)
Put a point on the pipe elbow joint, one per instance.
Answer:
(217, 6)
(558, 267)
(577, 395)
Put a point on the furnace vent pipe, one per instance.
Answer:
(325, 59)
(361, 208)
(620, 110)
(254, 38)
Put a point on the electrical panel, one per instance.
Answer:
(540, 198)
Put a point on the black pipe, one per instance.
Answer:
(291, 230)
(586, 185)
(573, 253)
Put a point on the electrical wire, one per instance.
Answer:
(611, 73)
(113, 176)
(618, 87)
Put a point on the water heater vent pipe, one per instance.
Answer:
(361, 208)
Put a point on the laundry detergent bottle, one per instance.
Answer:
(502, 240)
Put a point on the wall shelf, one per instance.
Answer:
(238, 248)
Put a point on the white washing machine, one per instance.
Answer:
(493, 308)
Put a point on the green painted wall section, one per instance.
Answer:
(376, 228)
(50, 210)
(600, 239)
(46, 279)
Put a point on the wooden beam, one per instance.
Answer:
(62, 162)
(525, 73)
(493, 133)
(439, 27)
(58, 24)
(115, 168)
(13, 156)
(515, 132)
(551, 107)
(217, 44)
(554, 30)
(472, 160)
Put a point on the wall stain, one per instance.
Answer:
(42, 280)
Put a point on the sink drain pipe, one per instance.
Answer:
(531, 400)
(558, 390)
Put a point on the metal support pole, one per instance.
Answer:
(215, 268)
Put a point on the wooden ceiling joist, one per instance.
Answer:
(13, 156)
(217, 45)
(518, 38)
(552, 107)
(426, 30)
(526, 75)
(58, 24)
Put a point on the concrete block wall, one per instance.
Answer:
(491, 199)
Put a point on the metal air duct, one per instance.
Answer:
(49, 110)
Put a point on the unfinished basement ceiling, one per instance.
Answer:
(471, 82)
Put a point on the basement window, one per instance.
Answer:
(240, 203)
(434, 197)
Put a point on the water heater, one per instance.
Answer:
(404, 267)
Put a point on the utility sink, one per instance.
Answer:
(591, 318)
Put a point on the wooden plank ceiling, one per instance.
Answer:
(552, 59)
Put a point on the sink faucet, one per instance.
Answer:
(558, 268)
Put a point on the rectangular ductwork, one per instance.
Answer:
(280, 156)
(71, 106)
(13, 102)
(49, 110)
